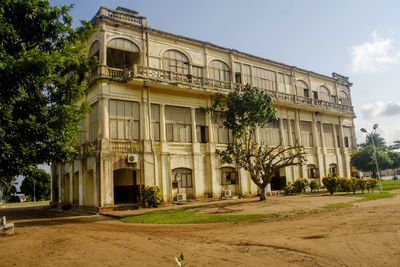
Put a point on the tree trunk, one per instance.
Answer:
(262, 193)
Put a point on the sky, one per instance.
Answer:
(356, 38)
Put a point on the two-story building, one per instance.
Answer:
(146, 126)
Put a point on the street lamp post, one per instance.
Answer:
(373, 147)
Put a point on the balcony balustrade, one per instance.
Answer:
(158, 75)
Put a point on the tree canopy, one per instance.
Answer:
(364, 161)
(379, 141)
(36, 183)
(42, 79)
(243, 113)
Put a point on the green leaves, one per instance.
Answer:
(42, 69)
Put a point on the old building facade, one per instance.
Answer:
(146, 126)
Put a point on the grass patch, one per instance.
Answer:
(374, 196)
(389, 185)
(185, 216)
(339, 205)
(27, 204)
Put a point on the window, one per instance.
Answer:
(306, 92)
(315, 95)
(333, 99)
(270, 135)
(312, 171)
(175, 61)
(94, 49)
(121, 53)
(218, 70)
(328, 134)
(302, 88)
(348, 136)
(178, 124)
(124, 119)
(197, 71)
(246, 74)
(264, 78)
(343, 98)
(306, 133)
(238, 73)
(324, 94)
(183, 177)
(201, 127)
(332, 168)
(228, 176)
(93, 123)
(221, 134)
(155, 122)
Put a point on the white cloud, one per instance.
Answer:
(375, 55)
(379, 109)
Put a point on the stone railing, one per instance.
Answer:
(158, 75)
(121, 16)
(124, 146)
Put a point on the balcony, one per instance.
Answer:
(121, 15)
(187, 80)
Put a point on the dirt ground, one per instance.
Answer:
(305, 234)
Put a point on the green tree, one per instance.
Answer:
(379, 141)
(395, 159)
(36, 183)
(243, 113)
(364, 161)
(42, 78)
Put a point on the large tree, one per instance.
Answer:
(243, 113)
(364, 160)
(42, 78)
(379, 141)
(36, 184)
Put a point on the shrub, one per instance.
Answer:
(313, 186)
(289, 189)
(331, 183)
(151, 196)
(300, 185)
(354, 184)
(14, 199)
(361, 184)
(371, 184)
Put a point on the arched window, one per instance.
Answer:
(228, 176)
(324, 94)
(219, 71)
(121, 53)
(94, 49)
(182, 177)
(302, 89)
(332, 168)
(175, 61)
(312, 171)
(343, 98)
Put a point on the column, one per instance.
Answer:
(303, 167)
(200, 181)
(317, 145)
(338, 157)
(103, 119)
(165, 173)
(291, 143)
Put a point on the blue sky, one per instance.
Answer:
(356, 38)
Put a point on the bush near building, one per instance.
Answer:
(343, 184)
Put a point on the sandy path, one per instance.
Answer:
(367, 234)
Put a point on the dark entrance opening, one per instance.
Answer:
(125, 187)
(278, 182)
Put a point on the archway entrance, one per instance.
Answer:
(125, 186)
(88, 183)
(278, 182)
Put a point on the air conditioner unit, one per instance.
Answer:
(132, 158)
(181, 197)
(227, 193)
